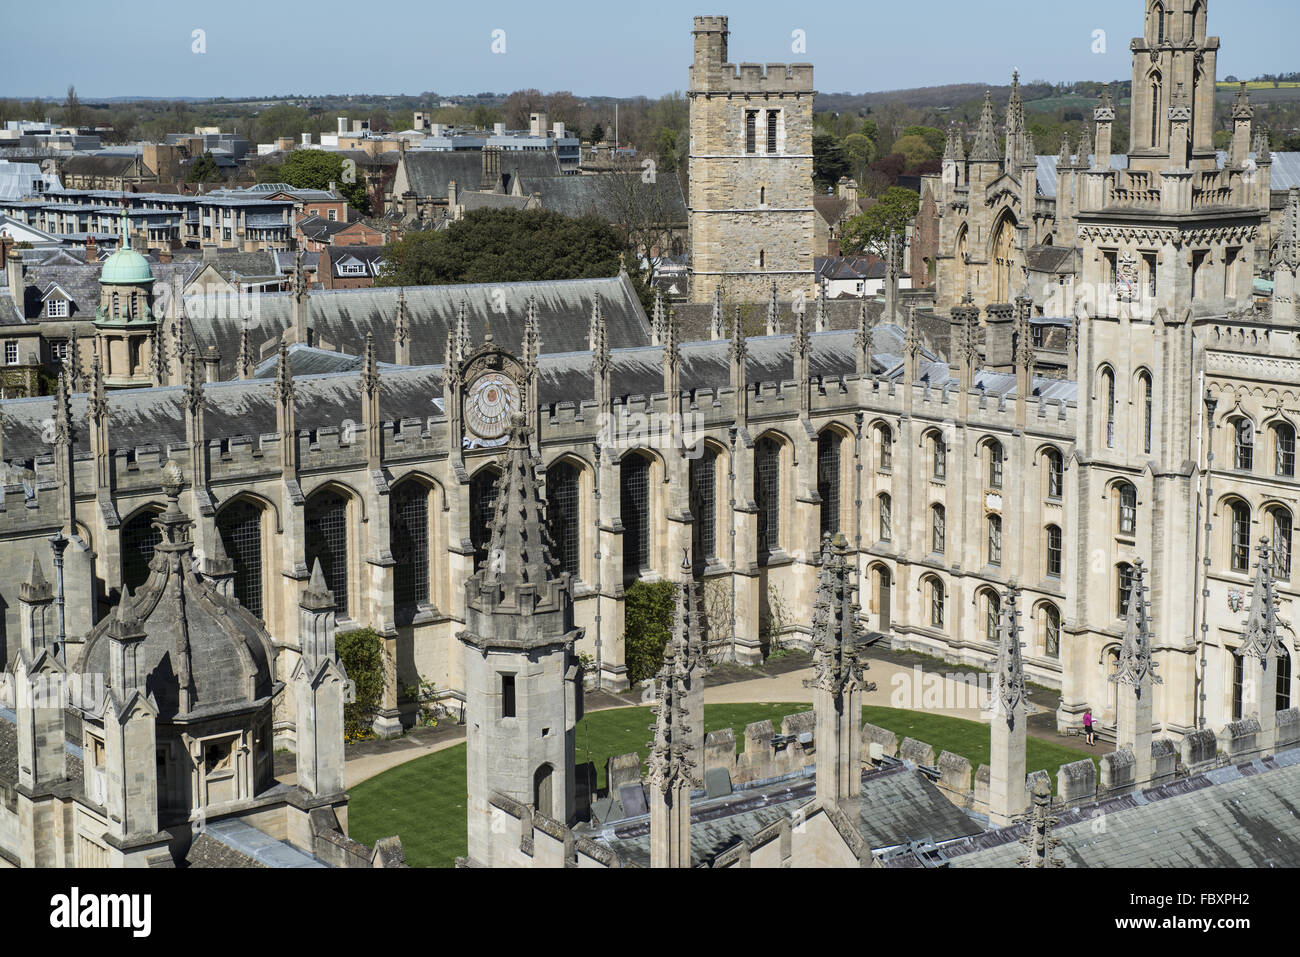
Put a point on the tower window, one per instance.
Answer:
(771, 130)
(634, 510)
(1240, 542)
(409, 532)
(507, 696)
(326, 522)
(1053, 551)
(751, 131)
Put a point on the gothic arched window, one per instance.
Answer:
(767, 495)
(828, 479)
(482, 510)
(634, 511)
(1239, 536)
(139, 537)
(240, 526)
(409, 534)
(938, 529)
(326, 521)
(704, 507)
(563, 515)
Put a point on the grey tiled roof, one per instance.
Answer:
(343, 317)
(1244, 816)
(597, 194)
(898, 804)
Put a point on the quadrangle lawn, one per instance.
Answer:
(423, 801)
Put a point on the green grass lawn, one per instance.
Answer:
(423, 800)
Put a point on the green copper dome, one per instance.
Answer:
(126, 266)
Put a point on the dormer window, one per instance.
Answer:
(56, 309)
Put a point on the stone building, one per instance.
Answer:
(751, 193)
(367, 429)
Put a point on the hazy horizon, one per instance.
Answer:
(256, 50)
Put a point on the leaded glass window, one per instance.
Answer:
(634, 503)
(327, 540)
(704, 507)
(828, 480)
(1053, 551)
(767, 495)
(995, 540)
(1240, 537)
(240, 528)
(1285, 437)
(938, 529)
(1051, 631)
(482, 511)
(562, 516)
(409, 534)
(886, 518)
(139, 537)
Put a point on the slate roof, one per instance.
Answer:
(1242, 816)
(342, 317)
(99, 165)
(1051, 259)
(372, 256)
(320, 229)
(898, 804)
(9, 750)
(594, 194)
(473, 201)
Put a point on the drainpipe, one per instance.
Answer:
(599, 592)
(59, 542)
(731, 484)
(1203, 670)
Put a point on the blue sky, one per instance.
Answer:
(273, 47)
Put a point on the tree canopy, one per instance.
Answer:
(505, 245)
(869, 231)
(316, 169)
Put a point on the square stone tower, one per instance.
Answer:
(751, 189)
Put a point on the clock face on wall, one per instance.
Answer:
(489, 403)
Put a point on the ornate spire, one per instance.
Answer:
(837, 632)
(519, 553)
(672, 347)
(1105, 111)
(1287, 253)
(244, 359)
(1263, 151)
(1030, 157)
(822, 323)
(62, 411)
(1135, 662)
(370, 368)
(799, 340)
(950, 144)
(1038, 841)
(1011, 669)
(1241, 108)
(73, 362)
(862, 339)
(716, 327)
(98, 398)
(193, 382)
(911, 335)
(1024, 334)
(739, 347)
(657, 319)
(156, 365)
(773, 314)
(1261, 639)
(1063, 158)
(401, 325)
(984, 148)
(463, 343)
(1085, 146)
(283, 375)
(599, 341)
(532, 334)
(671, 761)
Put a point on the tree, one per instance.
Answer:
(316, 169)
(914, 150)
(597, 134)
(1290, 145)
(504, 245)
(647, 626)
(204, 170)
(520, 105)
(829, 161)
(72, 113)
(860, 151)
(644, 214)
(869, 231)
(934, 138)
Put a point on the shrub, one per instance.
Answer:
(647, 623)
(363, 656)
